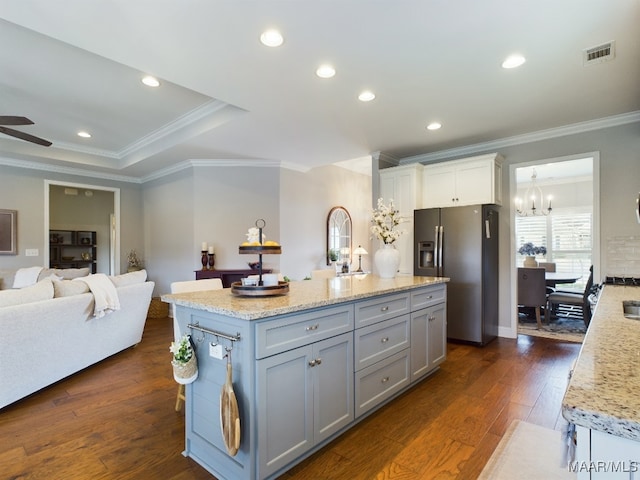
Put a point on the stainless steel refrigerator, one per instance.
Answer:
(462, 243)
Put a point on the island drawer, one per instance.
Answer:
(285, 333)
(382, 308)
(427, 297)
(377, 383)
(378, 341)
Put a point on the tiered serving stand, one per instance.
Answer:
(260, 290)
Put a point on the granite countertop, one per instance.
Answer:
(604, 390)
(302, 295)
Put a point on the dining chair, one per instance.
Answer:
(184, 287)
(548, 266)
(579, 301)
(532, 290)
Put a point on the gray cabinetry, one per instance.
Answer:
(428, 330)
(428, 340)
(304, 380)
(382, 341)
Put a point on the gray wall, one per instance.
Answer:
(218, 205)
(305, 201)
(167, 220)
(23, 190)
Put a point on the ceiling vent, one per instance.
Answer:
(599, 54)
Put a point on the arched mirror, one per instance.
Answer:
(338, 235)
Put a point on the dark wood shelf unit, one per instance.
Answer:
(72, 249)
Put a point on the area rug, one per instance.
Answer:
(565, 329)
(528, 452)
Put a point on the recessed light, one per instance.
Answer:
(84, 134)
(366, 96)
(325, 71)
(271, 38)
(434, 126)
(513, 61)
(150, 81)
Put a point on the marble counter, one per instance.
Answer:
(604, 391)
(302, 295)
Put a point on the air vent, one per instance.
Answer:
(599, 54)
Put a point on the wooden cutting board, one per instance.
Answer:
(229, 415)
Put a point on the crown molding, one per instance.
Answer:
(26, 164)
(208, 163)
(495, 145)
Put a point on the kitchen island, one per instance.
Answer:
(603, 396)
(307, 365)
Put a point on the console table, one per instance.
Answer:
(228, 276)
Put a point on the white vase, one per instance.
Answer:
(530, 262)
(387, 260)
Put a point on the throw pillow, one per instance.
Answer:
(42, 290)
(130, 278)
(68, 288)
(64, 273)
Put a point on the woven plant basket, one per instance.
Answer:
(184, 373)
(158, 308)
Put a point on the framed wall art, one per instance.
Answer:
(8, 232)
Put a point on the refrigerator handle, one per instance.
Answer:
(440, 245)
(435, 249)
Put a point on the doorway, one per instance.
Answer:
(74, 206)
(573, 183)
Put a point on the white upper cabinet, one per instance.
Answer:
(471, 181)
(403, 185)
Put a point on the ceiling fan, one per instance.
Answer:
(11, 120)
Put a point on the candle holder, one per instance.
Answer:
(204, 260)
(212, 260)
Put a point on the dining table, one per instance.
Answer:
(553, 278)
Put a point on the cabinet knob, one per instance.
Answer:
(318, 361)
(312, 363)
(384, 309)
(312, 327)
(384, 340)
(384, 380)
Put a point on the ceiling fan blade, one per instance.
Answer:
(12, 120)
(25, 136)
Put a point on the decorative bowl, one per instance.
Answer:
(254, 265)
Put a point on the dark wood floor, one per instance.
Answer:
(116, 420)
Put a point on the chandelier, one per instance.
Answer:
(533, 193)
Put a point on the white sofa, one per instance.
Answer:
(46, 340)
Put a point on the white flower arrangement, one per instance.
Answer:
(384, 221)
(182, 350)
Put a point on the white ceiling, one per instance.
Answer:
(227, 98)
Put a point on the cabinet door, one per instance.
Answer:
(419, 344)
(613, 457)
(333, 385)
(403, 185)
(428, 340)
(474, 183)
(437, 336)
(303, 396)
(285, 419)
(439, 187)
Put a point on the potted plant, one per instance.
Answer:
(133, 262)
(184, 362)
(530, 251)
(384, 220)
